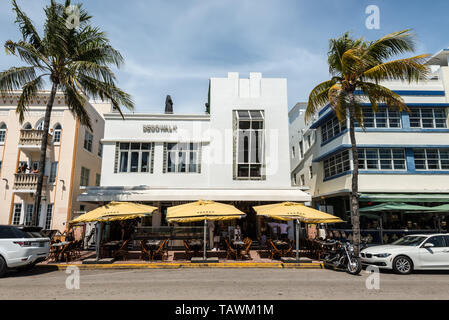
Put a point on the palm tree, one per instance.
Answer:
(75, 60)
(356, 66)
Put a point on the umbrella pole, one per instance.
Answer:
(99, 230)
(297, 240)
(205, 230)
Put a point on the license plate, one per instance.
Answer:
(38, 244)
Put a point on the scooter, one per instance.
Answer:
(341, 256)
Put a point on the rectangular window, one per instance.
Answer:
(428, 118)
(309, 142)
(57, 136)
(311, 172)
(384, 118)
(182, 157)
(250, 144)
(331, 129)
(88, 141)
(301, 149)
(1, 165)
(49, 216)
(97, 179)
(29, 214)
(303, 180)
(293, 152)
(337, 164)
(2, 135)
(84, 182)
(17, 213)
(53, 172)
(100, 150)
(431, 159)
(135, 157)
(382, 159)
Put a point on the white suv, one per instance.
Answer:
(21, 247)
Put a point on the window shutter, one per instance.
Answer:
(152, 157)
(117, 151)
(164, 170)
(199, 157)
(234, 148)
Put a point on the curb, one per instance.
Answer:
(313, 265)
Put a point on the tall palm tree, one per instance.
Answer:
(75, 60)
(357, 66)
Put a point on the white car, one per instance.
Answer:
(21, 247)
(413, 252)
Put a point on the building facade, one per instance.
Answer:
(73, 160)
(236, 153)
(404, 157)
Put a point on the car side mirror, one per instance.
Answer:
(428, 245)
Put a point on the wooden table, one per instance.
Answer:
(195, 245)
(152, 245)
(58, 247)
(111, 245)
(284, 246)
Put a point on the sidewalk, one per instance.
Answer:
(177, 259)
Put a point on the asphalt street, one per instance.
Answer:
(193, 284)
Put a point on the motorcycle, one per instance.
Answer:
(341, 256)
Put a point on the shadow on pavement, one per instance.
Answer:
(15, 273)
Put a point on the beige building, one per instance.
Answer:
(73, 160)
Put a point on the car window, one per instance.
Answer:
(437, 241)
(411, 241)
(447, 240)
(7, 233)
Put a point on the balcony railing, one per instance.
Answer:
(27, 181)
(32, 138)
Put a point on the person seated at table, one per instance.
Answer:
(237, 233)
(283, 227)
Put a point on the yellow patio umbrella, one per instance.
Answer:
(203, 211)
(114, 211)
(298, 212)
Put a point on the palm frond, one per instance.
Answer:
(318, 98)
(411, 69)
(392, 44)
(29, 92)
(378, 94)
(27, 28)
(15, 78)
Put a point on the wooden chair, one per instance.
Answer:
(144, 251)
(290, 252)
(161, 251)
(275, 252)
(188, 250)
(246, 250)
(122, 251)
(230, 250)
(318, 250)
(67, 252)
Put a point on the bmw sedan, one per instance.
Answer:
(414, 252)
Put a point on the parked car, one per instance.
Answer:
(413, 252)
(21, 247)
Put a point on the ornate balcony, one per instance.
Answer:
(26, 182)
(31, 140)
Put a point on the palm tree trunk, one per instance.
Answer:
(355, 184)
(40, 179)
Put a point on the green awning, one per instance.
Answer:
(407, 198)
(443, 208)
(370, 216)
(391, 206)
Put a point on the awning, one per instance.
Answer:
(147, 194)
(203, 210)
(395, 206)
(406, 198)
(443, 208)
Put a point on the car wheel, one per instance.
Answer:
(403, 265)
(2, 267)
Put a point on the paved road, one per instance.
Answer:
(221, 284)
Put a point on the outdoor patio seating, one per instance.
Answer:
(230, 251)
(246, 250)
(122, 251)
(66, 253)
(318, 250)
(274, 251)
(145, 252)
(289, 252)
(188, 250)
(162, 251)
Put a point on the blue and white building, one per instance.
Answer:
(404, 157)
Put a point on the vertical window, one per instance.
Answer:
(57, 133)
(382, 159)
(100, 150)
(135, 157)
(17, 213)
(183, 157)
(337, 164)
(301, 149)
(303, 180)
(1, 165)
(309, 142)
(84, 181)
(53, 172)
(2, 132)
(431, 159)
(49, 216)
(249, 144)
(331, 129)
(310, 172)
(29, 214)
(40, 125)
(97, 179)
(88, 141)
(428, 118)
(293, 152)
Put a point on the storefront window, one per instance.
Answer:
(135, 157)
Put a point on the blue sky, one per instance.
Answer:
(174, 46)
